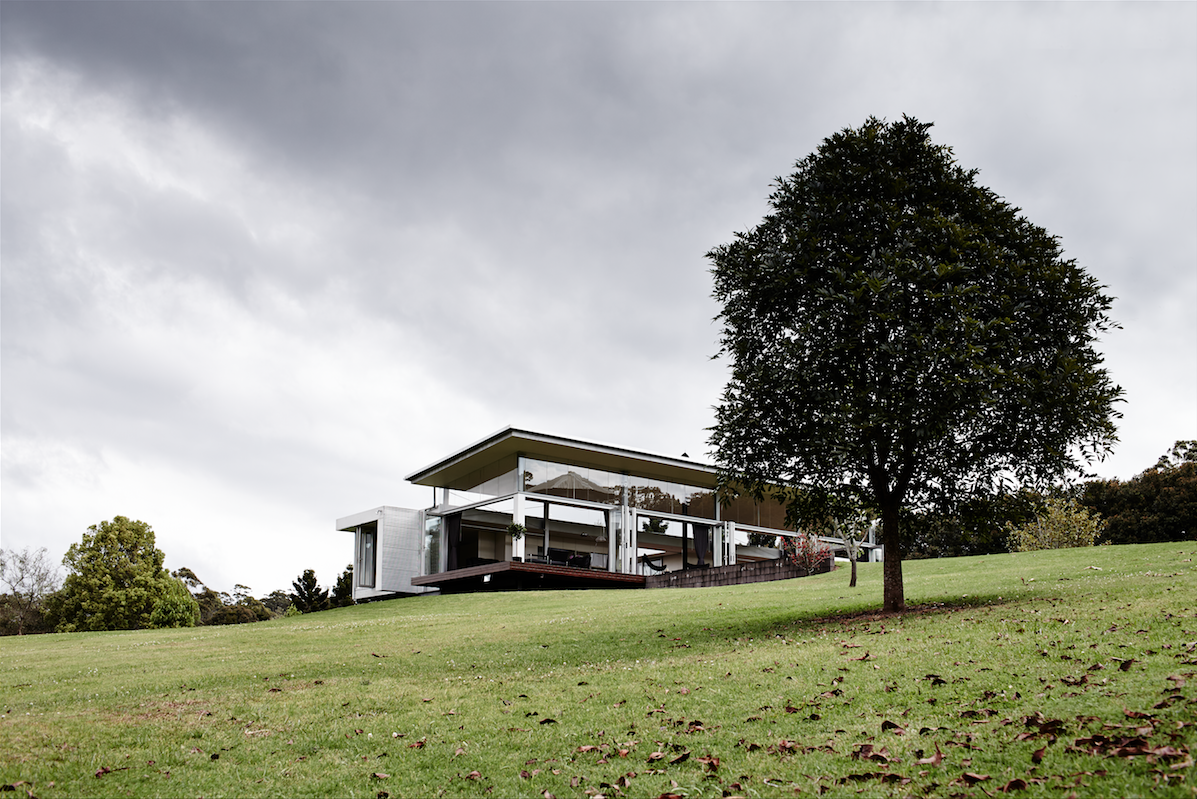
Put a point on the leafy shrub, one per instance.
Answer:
(177, 608)
(1063, 523)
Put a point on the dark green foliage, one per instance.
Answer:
(17, 618)
(1160, 504)
(901, 337)
(240, 613)
(115, 582)
(342, 594)
(277, 602)
(308, 597)
(221, 608)
(655, 526)
(975, 527)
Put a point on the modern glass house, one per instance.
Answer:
(521, 509)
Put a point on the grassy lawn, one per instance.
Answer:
(1065, 673)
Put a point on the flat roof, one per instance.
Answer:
(511, 442)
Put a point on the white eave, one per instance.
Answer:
(510, 443)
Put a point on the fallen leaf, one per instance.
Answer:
(933, 760)
(379, 775)
(473, 775)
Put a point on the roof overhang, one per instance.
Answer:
(510, 443)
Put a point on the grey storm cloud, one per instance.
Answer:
(260, 260)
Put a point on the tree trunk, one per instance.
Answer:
(894, 593)
(850, 544)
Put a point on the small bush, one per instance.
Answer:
(1064, 523)
(805, 551)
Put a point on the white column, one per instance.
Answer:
(633, 544)
(614, 517)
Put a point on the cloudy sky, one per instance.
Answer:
(262, 260)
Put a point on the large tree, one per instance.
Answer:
(116, 581)
(30, 577)
(902, 337)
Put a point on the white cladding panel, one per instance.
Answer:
(401, 549)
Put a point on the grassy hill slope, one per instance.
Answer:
(1045, 674)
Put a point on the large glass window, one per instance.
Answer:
(599, 485)
(432, 545)
(367, 545)
(572, 482)
(496, 486)
(744, 509)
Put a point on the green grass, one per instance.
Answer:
(1082, 660)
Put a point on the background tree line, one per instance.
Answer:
(1158, 504)
(116, 581)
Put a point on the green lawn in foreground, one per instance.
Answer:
(1056, 674)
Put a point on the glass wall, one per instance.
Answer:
(606, 487)
(745, 510)
(599, 485)
(572, 482)
(432, 544)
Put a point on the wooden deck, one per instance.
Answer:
(518, 576)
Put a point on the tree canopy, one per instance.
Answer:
(342, 593)
(116, 581)
(902, 337)
(1159, 504)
